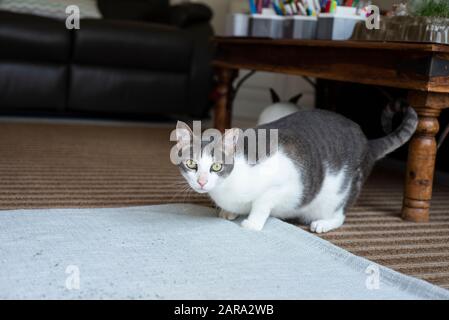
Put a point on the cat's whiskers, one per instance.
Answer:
(186, 194)
(182, 188)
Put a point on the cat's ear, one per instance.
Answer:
(230, 139)
(274, 96)
(296, 98)
(183, 134)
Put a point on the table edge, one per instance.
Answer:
(357, 44)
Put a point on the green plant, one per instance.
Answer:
(430, 8)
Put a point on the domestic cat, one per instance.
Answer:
(279, 109)
(315, 175)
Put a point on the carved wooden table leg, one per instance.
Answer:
(422, 154)
(223, 107)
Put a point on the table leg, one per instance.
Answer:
(223, 106)
(421, 157)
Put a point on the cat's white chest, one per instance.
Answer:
(248, 183)
(332, 195)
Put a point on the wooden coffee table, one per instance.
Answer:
(421, 68)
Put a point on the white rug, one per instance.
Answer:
(181, 252)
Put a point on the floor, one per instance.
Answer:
(85, 165)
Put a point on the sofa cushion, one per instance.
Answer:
(148, 10)
(33, 86)
(132, 44)
(134, 91)
(27, 37)
(51, 8)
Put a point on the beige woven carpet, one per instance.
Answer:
(55, 166)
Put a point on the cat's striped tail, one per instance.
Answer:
(383, 146)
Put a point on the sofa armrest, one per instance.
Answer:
(186, 14)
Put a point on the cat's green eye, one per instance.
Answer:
(216, 167)
(191, 164)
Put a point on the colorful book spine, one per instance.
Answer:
(277, 9)
(333, 6)
(328, 6)
(252, 6)
(259, 6)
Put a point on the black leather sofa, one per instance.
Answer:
(144, 58)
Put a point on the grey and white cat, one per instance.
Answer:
(317, 173)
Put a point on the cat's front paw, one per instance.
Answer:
(322, 226)
(227, 215)
(252, 225)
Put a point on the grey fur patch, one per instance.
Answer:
(319, 140)
(383, 146)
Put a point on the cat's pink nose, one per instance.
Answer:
(202, 182)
